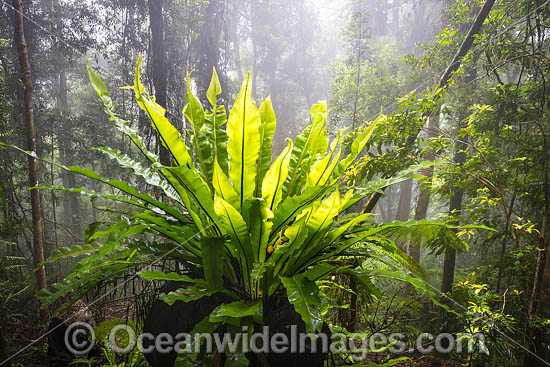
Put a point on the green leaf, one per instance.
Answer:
(169, 135)
(200, 134)
(121, 124)
(174, 277)
(319, 219)
(70, 251)
(303, 294)
(259, 224)
(267, 129)
(364, 279)
(188, 183)
(243, 130)
(99, 87)
(310, 143)
(124, 187)
(236, 310)
(214, 121)
(322, 170)
(213, 253)
(289, 208)
(214, 89)
(188, 294)
(380, 184)
(224, 189)
(272, 185)
(88, 192)
(356, 147)
(311, 255)
(150, 176)
(296, 234)
(319, 271)
(235, 226)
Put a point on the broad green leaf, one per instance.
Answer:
(236, 310)
(267, 129)
(99, 87)
(310, 256)
(214, 89)
(200, 137)
(174, 277)
(109, 230)
(319, 219)
(309, 144)
(303, 294)
(322, 170)
(380, 184)
(417, 283)
(235, 226)
(256, 275)
(319, 271)
(321, 216)
(375, 245)
(183, 235)
(289, 208)
(214, 121)
(150, 176)
(285, 250)
(243, 130)
(356, 147)
(224, 189)
(124, 187)
(121, 124)
(272, 185)
(169, 135)
(364, 279)
(213, 254)
(70, 251)
(191, 293)
(187, 181)
(259, 224)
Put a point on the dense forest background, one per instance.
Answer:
(480, 115)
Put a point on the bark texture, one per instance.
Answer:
(160, 78)
(26, 77)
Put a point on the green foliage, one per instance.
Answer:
(252, 237)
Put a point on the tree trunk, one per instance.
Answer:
(455, 209)
(424, 198)
(70, 205)
(444, 79)
(424, 194)
(467, 43)
(159, 65)
(208, 48)
(455, 202)
(37, 231)
(405, 197)
(404, 205)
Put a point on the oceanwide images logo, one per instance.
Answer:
(80, 339)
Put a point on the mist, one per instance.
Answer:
(371, 170)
